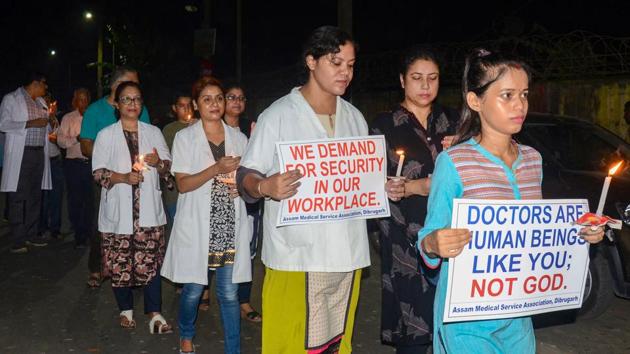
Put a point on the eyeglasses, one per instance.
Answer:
(235, 98)
(127, 101)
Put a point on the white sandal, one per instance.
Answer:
(128, 314)
(154, 327)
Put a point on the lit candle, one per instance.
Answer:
(602, 197)
(188, 118)
(401, 153)
(139, 165)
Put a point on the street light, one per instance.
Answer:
(99, 55)
(53, 52)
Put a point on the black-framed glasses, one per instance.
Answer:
(129, 100)
(236, 98)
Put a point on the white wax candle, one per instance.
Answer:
(602, 197)
(400, 162)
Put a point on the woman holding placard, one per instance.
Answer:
(484, 163)
(415, 131)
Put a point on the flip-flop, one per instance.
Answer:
(94, 281)
(253, 316)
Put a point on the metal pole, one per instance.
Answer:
(99, 63)
(113, 54)
(344, 15)
(239, 39)
(69, 76)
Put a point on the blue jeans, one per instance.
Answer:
(171, 209)
(228, 304)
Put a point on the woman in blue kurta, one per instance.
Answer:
(484, 163)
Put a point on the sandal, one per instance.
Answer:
(158, 325)
(251, 316)
(94, 281)
(126, 319)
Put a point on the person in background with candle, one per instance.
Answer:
(415, 132)
(182, 109)
(98, 115)
(52, 200)
(211, 232)
(484, 163)
(131, 215)
(25, 121)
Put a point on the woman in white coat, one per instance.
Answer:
(128, 160)
(210, 233)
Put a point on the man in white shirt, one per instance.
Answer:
(24, 117)
(78, 173)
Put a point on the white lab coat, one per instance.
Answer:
(115, 214)
(13, 118)
(186, 259)
(339, 246)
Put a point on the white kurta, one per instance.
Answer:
(339, 246)
(115, 214)
(13, 118)
(186, 259)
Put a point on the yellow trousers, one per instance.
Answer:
(284, 311)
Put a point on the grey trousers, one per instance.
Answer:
(25, 202)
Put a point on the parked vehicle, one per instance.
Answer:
(577, 155)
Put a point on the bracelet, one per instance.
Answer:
(258, 189)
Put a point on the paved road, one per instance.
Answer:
(45, 307)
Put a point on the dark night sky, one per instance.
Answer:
(161, 35)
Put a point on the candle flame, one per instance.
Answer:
(400, 152)
(614, 169)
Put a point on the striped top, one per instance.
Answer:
(483, 178)
(468, 170)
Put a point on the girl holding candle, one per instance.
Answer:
(211, 232)
(483, 163)
(415, 132)
(131, 216)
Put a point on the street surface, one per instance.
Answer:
(45, 307)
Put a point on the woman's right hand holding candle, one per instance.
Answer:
(227, 164)
(134, 177)
(395, 188)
